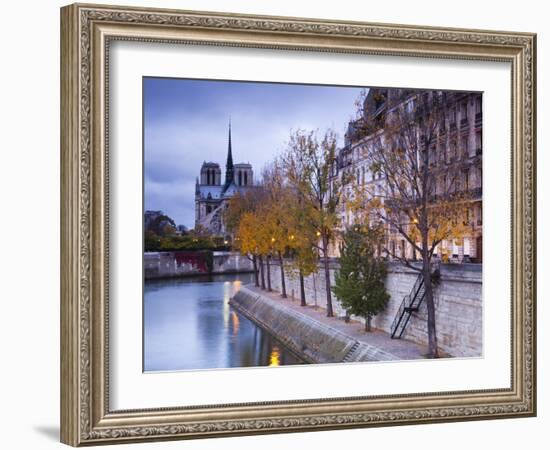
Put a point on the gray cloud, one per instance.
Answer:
(186, 123)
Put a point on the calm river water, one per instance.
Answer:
(188, 324)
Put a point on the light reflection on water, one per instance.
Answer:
(189, 324)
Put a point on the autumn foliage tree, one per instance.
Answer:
(302, 243)
(277, 223)
(242, 220)
(246, 241)
(307, 163)
(416, 198)
(258, 219)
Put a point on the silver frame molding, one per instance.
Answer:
(86, 31)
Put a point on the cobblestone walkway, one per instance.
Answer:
(401, 348)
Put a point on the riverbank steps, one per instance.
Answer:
(311, 339)
(457, 298)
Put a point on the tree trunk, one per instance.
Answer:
(283, 284)
(255, 264)
(268, 257)
(302, 290)
(432, 335)
(262, 272)
(330, 312)
(368, 318)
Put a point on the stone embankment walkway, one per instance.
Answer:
(377, 341)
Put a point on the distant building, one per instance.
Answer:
(211, 196)
(150, 216)
(158, 222)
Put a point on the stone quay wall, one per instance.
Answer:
(457, 298)
(309, 339)
(188, 263)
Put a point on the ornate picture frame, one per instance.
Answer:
(87, 32)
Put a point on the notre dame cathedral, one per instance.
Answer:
(211, 196)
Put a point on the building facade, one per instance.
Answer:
(211, 195)
(456, 150)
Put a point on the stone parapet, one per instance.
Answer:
(189, 263)
(458, 304)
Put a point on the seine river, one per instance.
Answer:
(189, 324)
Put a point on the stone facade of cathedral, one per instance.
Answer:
(212, 196)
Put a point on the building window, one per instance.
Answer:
(480, 176)
(452, 118)
(458, 185)
(478, 105)
(478, 142)
(453, 150)
(467, 179)
(464, 145)
(463, 111)
(441, 151)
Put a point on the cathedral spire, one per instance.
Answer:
(229, 163)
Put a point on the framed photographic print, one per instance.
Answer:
(279, 224)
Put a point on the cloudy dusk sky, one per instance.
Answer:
(186, 123)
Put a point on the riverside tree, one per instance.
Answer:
(417, 199)
(275, 215)
(359, 284)
(305, 255)
(245, 238)
(307, 163)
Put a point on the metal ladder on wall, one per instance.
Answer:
(411, 303)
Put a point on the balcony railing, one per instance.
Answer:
(478, 118)
(475, 192)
